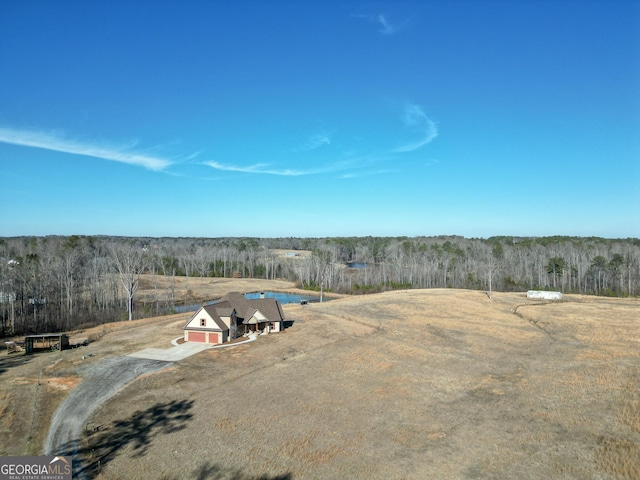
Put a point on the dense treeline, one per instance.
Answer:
(53, 283)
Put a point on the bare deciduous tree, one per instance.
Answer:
(130, 262)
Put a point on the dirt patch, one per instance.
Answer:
(63, 383)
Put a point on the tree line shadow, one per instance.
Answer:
(214, 471)
(8, 361)
(101, 444)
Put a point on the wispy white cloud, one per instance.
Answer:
(261, 168)
(353, 164)
(317, 141)
(58, 143)
(267, 169)
(431, 162)
(416, 120)
(314, 142)
(364, 173)
(385, 27)
(192, 156)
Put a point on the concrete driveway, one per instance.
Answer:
(172, 354)
(182, 350)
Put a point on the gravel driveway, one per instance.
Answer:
(101, 380)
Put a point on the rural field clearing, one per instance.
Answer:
(405, 384)
(195, 290)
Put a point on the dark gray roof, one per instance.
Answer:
(245, 308)
(212, 311)
(270, 307)
(225, 311)
(237, 301)
(47, 335)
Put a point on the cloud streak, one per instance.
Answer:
(314, 142)
(317, 141)
(416, 120)
(366, 173)
(352, 165)
(261, 168)
(56, 143)
(384, 26)
(266, 169)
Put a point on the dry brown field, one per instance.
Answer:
(406, 384)
(197, 289)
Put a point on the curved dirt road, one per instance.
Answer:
(101, 380)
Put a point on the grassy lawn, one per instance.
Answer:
(405, 384)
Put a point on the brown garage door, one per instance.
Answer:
(197, 337)
(213, 338)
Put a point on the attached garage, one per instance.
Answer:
(203, 337)
(230, 317)
(206, 326)
(197, 337)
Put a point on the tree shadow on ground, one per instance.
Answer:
(102, 446)
(213, 471)
(13, 360)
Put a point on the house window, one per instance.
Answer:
(203, 322)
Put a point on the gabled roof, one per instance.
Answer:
(249, 320)
(245, 308)
(212, 311)
(270, 307)
(225, 311)
(237, 301)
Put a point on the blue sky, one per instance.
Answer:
(314, 119)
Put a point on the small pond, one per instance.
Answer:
(283, 298)
(356, 265)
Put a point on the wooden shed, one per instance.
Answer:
(46, 341)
